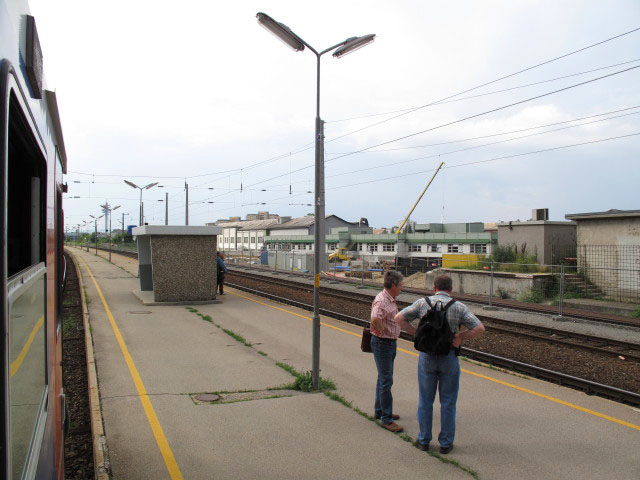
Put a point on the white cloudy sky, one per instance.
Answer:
(197, 91)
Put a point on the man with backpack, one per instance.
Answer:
(438, 339)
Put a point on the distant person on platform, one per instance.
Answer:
(441, 372)
(385, 331)
(222, 269)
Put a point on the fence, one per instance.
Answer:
(550, 284)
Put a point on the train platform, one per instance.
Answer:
(152, 362)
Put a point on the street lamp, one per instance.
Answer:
(343, 48)
(109, 210)
(95, 220)
(133, 185)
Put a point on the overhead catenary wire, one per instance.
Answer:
(460, 120)
(444, 102)
(310, 145)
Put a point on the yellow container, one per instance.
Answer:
(465, 260)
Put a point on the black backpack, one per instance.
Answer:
(433, 334)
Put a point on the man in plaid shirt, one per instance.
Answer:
(441, 372)
(384, 338)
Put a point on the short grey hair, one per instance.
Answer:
(391, 278)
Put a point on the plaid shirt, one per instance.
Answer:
(458, 314)
(385, 308)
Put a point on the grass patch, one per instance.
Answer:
(340, 399)
(191, 309)
(636, 313)
(86, 297)
(288, 368)
(207, 318)
(260, 352)
(237, 337)
(304, 381)
(530, 296)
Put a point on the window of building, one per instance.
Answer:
(388, 247)
(415, 248)
(433, 248)
(478, 248)
(372, 247)
(331, 246)
(454, 248)
(260, 239)
(253, 240)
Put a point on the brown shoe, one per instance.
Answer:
(392, 427)
(395, 416)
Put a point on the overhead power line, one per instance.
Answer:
(494, 159)
(486, 83)
(486, 94)
(487, 112)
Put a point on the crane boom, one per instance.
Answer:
(419, 198)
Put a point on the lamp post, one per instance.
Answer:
(95, 220)
(109, 210)
(147, 187)
(343, 48)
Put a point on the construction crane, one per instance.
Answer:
(418, 201)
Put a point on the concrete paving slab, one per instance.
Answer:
(495, 421)
(503, 430)
(177, 353)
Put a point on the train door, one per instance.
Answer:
(23, 325)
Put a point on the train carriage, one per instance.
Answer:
(33, 161)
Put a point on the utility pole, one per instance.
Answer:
(186, 204)
(166, 208)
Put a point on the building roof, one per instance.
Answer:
(249, 224)
(613, 213)
(305, 222)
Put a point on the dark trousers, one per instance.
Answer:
(384, 353)
(221, 283)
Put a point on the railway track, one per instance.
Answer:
(587, 386)
(614, 348)
(496, 302)
(481, 300)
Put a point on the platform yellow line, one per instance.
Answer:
(161, 440)
(479, 375)
(17, 363)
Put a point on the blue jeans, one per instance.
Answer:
(441, 372)
(384, 352)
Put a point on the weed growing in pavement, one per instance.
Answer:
(636, 313)
(303, 381)
(340, 399)
(207, 318)
(191, 309)
(237, 337)
(260, 352)
(86, 297)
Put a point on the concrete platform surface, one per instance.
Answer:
(177, 353)
(508, 426)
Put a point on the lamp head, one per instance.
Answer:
(131, 184)
(151, 185)
(354, 43)
(281, 31)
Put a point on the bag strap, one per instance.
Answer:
(449, 304)
(428, 302)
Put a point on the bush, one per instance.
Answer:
(530, 296)
(636, 313)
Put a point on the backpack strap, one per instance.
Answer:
(428, 302)
(449, 304)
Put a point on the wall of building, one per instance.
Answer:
(540, 237)
(609, 231)
(477, 282)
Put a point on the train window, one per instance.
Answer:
(26, 291)
(25, 196)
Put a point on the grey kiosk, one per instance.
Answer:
(177, 264)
